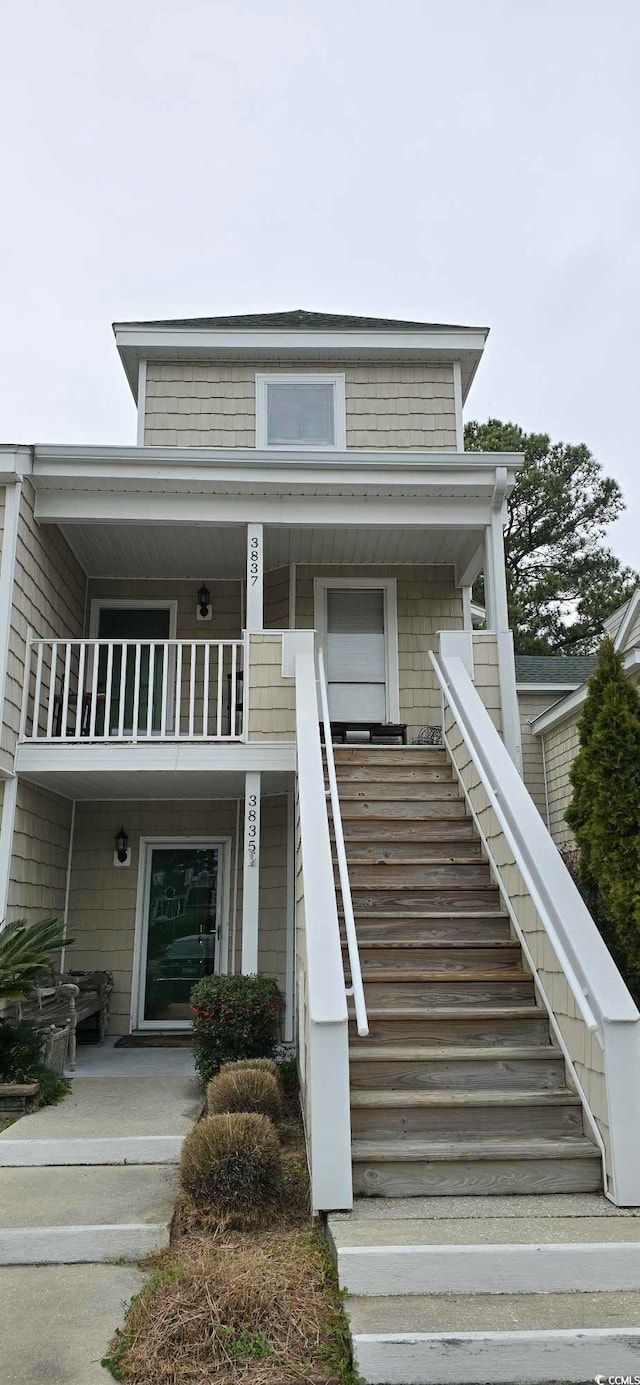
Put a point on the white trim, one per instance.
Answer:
(546, 687)
(231, 954)
(568, 705)
(432, 337)
(293, 573)
(389, 586)
(12, 498)
(467, 609)
(336, 380)
(67, 887)
(457, 400)
(290, 963)
(251, 875)
(255, 579)
(633, 605)
(141, 402)
(146, 847)
(157, 757)
(7, 821)
(103, 603)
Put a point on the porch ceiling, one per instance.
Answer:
(197, 551)
(120, 785)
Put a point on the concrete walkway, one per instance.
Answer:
(84, 1185)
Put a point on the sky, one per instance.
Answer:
(471, 163)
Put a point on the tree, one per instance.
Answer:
(604, 813)
(562, 580)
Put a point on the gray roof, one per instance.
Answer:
(554, 668)
(299, 317)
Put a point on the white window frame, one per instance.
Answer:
(129, 603)
(302, 378)
(147, 846)
(388, 586)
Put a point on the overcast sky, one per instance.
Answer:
(474, 162)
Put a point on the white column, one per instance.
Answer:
(255, 567)
(467, 622)
(142, 402)
(251, 874)
(495, 581)
(7, 568)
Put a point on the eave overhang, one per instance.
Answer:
(434, 346)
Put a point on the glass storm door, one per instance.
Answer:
(356, 654)
(181, 928)
(129, 623)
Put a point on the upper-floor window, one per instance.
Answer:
(300, 411)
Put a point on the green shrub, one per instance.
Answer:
(20, 1051)
(233, 1161)
(234, 1017)
(262, 1064)
(248, 1089)
(604, 812)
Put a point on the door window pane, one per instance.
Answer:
(356, 653)
(182, 922)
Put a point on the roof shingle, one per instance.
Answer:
(554, 668)
(299, 317)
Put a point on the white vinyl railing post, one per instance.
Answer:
(327, 1059)
(357, 989)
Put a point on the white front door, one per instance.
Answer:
(179, 928)
(357, 629)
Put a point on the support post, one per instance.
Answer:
(255, 568)
(7, 820)
(7, 568)
(495, 581)
(251, 874)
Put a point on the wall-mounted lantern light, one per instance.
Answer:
(122, 854)
(203, 607)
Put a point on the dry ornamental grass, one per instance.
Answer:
(246, 1089)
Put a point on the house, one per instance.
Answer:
(164, 772)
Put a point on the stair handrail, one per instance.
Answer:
(596, 984)
(356, 989)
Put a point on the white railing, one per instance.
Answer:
(356, 989)
(601, 997)
(141, 690)
(324, 1037)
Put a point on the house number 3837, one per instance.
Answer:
(252, 828)
(254, 560)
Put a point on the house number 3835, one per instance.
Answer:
(254, 560)
(252, 828)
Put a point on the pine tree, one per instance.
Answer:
(605, 810)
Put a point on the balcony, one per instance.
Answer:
(103, 691)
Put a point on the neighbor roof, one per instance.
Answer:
(561, 669)
(300, 317)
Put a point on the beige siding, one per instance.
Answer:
(582, 1045)
(530, 706)
(271, 697)
(486, 675)
(102, 910)
(560, 747)
(276, 599)
(226, 602)
(204, 405)
(48, 595)
(632, 637)
(427, 601)
(38, 874)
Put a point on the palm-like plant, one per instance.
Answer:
(25, 952)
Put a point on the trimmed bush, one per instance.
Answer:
(234, 1017)
(248, 1089)
(262, 1064)
(233, 1161)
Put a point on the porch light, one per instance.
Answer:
(122, 847)
(203, 609)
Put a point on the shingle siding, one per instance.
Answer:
(530, 706)
(387, 406)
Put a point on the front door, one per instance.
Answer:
(180, 928)
(356, 627)
(120, 623)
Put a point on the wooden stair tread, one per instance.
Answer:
(492, 974)
(390, 1053)
(473, 1012)
(452, 860)
(507, 1147)
(457, 1097)
(430, 914)
(436, 944)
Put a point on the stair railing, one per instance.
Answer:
(596, 1017)
(356, 989)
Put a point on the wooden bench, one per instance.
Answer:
(71, 997)
(379, 732)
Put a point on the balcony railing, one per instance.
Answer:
(133, 690)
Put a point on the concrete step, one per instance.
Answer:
(467, 1025)
(519, 1069)
(114, 1149)
(461, 1339)
(457, 1114)
(68, 1215)
(476, 1166)
(56, 1321)
(488, 1255)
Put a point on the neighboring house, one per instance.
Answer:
(161, 756)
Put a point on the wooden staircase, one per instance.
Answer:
(457, 1089)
